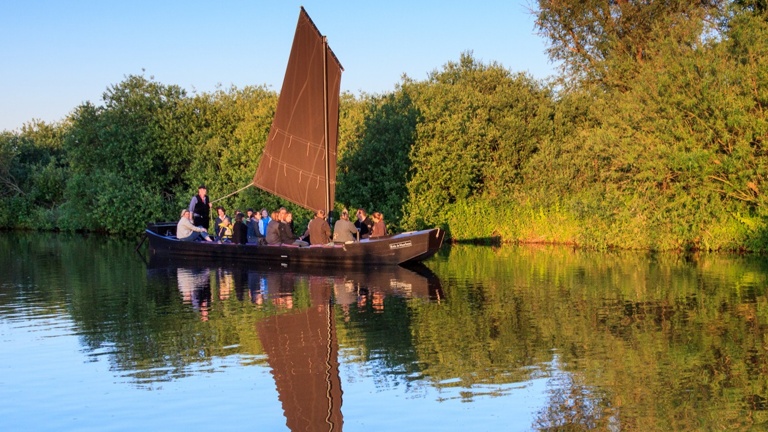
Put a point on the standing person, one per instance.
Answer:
(318, 230)
(187, 231)
(379, 227)
(239, 230)
(200, 208)
(364, 224)
(344, 231)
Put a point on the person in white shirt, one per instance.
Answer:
(187, 231)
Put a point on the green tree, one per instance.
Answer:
(672, 158)
(124, 158)
(33, 174)
(479, 126)
(605, 42)
(227, 131)
(375, 166)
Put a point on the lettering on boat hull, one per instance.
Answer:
(400, 245)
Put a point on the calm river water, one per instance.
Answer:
(95, 337)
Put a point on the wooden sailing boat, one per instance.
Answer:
(299, 164)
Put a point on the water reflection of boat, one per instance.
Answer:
(302, 347)
(300, 340)
(194, 286)
(269, 280)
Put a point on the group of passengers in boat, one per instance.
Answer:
(261, 227)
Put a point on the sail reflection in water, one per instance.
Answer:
(297, 332)
(303, 353)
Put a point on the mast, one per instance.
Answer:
(327, 135)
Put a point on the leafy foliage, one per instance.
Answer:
(376, 166)
(124, 158)
(606, 42)
(33, 175)
(480, 125)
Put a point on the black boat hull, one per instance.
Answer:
(391, 250)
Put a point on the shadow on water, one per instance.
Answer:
(483, 241)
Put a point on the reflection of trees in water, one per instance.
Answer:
(668, 342)
(226, 302)
(574, 406)
(648, 343)
(479, 342)
(375, 328)
(148, 321)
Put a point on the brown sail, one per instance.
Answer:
(299, 160)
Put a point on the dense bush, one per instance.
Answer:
(375, 166)
(479, 126)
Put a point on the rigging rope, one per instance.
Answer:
(235, 192)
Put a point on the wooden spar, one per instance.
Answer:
(327, 135)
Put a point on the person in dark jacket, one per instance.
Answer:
(252, 221)
(273, 229)
(200, 207)
(364, 224)
(286, 233)
(240, 230)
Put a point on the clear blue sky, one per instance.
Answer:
(58, 54)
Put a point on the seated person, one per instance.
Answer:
(344, 230)
(273, 229)
(379, 227)
(265, 220)
(223, 225)
(253, 220)
(187, 231)
(318, 230)
(364, 224)
(286, 233)
(239, 230)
